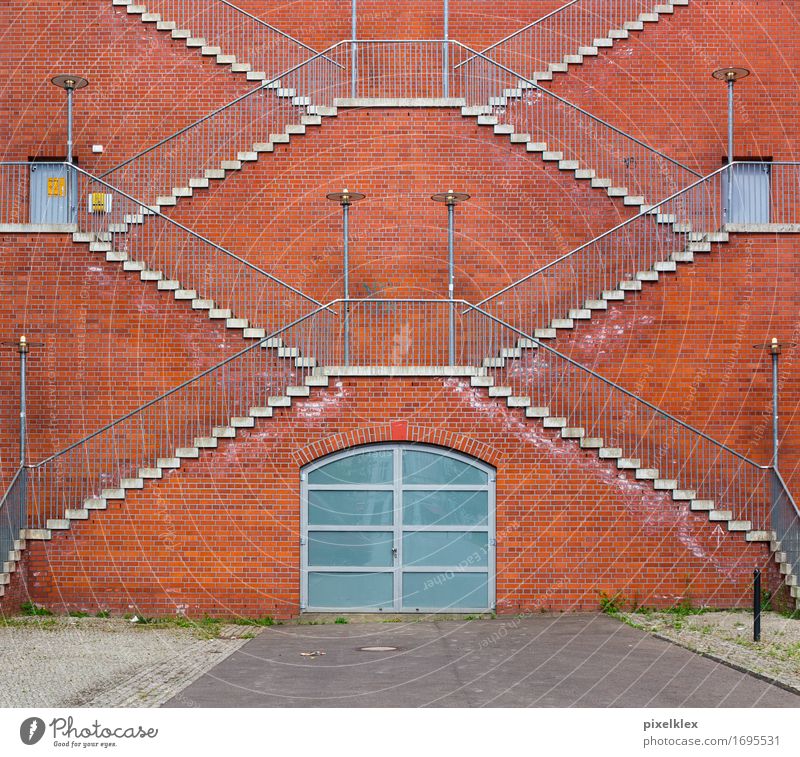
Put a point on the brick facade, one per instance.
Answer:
(220, 536)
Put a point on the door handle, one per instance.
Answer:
(394, 553)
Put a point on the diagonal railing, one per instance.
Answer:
(237, 132)
(374, 72)
(685, 224)
(219, 27)
(397, 337)
(161, 250)
(568, 33)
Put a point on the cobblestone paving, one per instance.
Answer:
(104, 662)
(728, 636)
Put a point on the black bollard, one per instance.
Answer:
(756, 605)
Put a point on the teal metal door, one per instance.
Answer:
(397, 528)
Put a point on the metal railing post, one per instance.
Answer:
(445, 52)
(451, 274)
(775, 349)
(23, 349)
(346, 226)
(354, 51)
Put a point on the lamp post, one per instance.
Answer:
(70, 83)
(731, 75)
(775, 348)
(451, 199)
(23, 348)
(346, 198)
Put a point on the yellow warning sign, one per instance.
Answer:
(98, 202)
(56, 186)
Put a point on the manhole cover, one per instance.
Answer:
(377, 649)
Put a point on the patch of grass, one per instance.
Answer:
(78, 614)
(391, 620)
(248, 636)
(267, 620)
(102, 614)
(611, 605)
(341, 621)
(31, 609)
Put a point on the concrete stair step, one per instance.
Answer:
(572, 433)
(223, 432)
(554, 422)
(609, 453)
(684, 494)
(591, 442)
(537, 412)
(628, 463)
(702, 505)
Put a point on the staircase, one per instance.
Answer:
(552, 390)
(621, 261)
(569, 35)
(219, 30)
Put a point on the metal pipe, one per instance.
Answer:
(445, 50)
(729, 203)
(346, 227)
(69, 124)
(776, 350)
(23, 349)
(451, 341)
(756, 605)
(354, 50)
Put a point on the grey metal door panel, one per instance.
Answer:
(52, 194)
(749, 194)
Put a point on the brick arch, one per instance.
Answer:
(389, 432)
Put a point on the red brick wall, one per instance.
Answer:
(658, 86)
(321, 23)
(686, 344)
(143, 85)
(523, 212)
(109, 342)
(220, 536)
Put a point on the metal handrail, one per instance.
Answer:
(475, 54)
(613, 230)
(200, 237)
(523, 29)
(180, 386)
(786, 489)
(342, 301)
(270, 26)
(563, 101)
(10, 486)
(221, 109)
(617, 387)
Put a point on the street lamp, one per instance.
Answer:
(731, 75)
(70, 83)
(23, 348)
(451, 199)
(346, 198)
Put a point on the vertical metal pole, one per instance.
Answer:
(69, 124)
(346, 224)
(354, 51)
(23, 392)
(775, 352)
(451, 343)
(445, 51)
(756, 605)
(729, 212)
